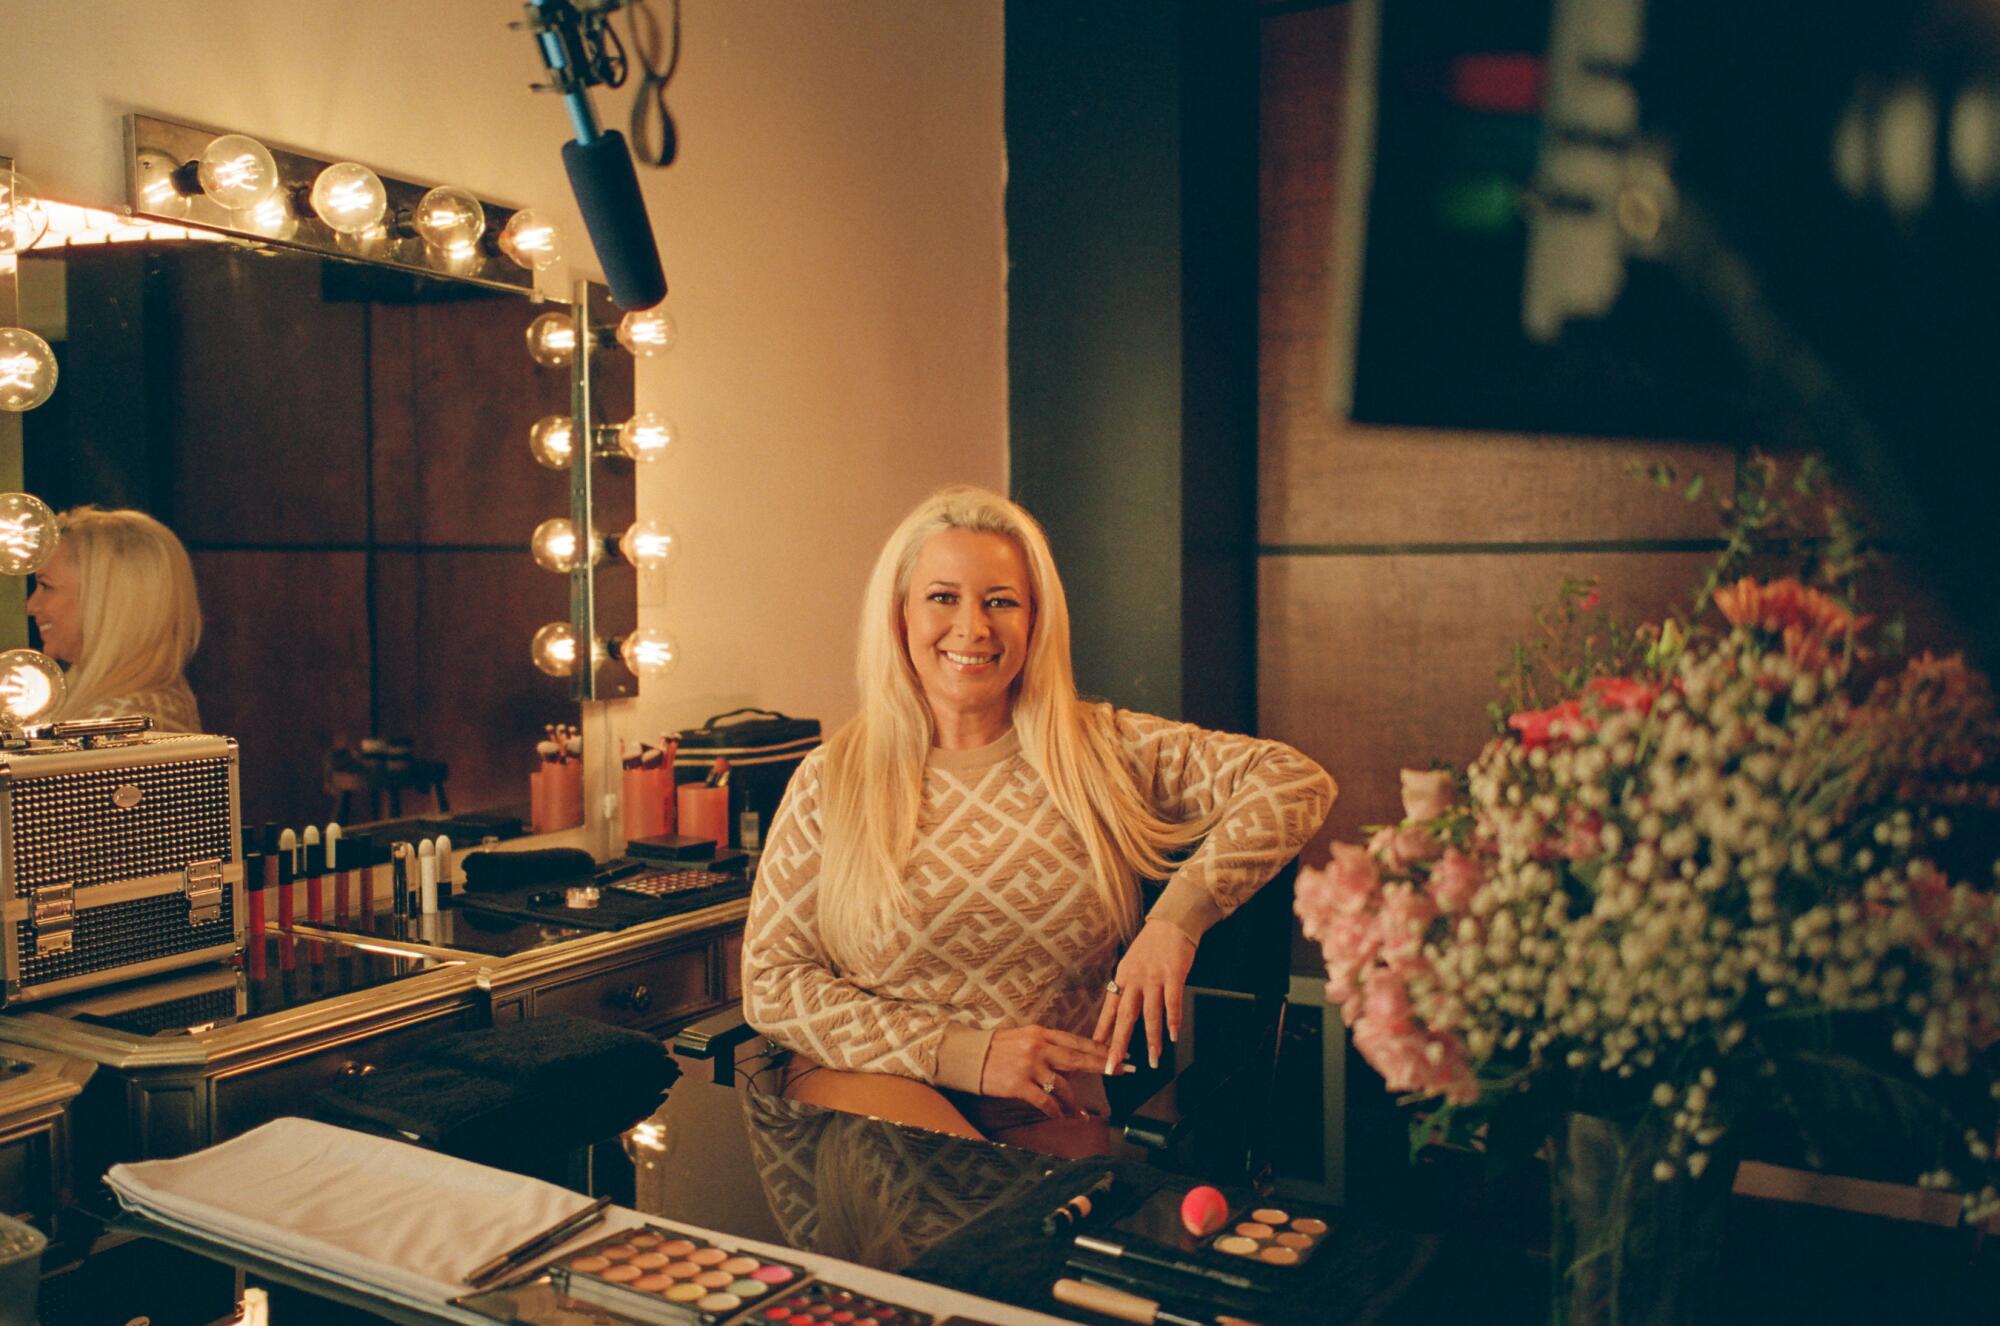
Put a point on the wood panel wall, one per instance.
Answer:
(1396, 566)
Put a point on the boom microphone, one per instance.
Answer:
(573, 46)
(614, 212)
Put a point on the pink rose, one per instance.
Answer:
(1386, 1002)
(1343, 984)
(1348, 937)
(1427, 793)
(1405, 914)
(1454, 880)
(1400, 847)
(1354, 880)
(1398, 1055)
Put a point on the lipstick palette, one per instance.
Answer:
(1271, 1235)
(822, 1304)
(659, 1275)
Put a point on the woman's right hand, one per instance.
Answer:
(1028, 1063)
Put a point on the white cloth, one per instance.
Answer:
(407, 1224)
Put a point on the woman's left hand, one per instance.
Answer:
(1151, 977)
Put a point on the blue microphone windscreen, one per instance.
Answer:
(614, 211)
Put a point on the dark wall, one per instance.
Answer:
(1132, 240)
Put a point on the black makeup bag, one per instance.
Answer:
(764, 749)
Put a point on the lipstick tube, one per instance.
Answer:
(363, 847)
(444, 869)
(338, 878)
(288, 871)
(314, 856)
(399, 879)
(427, 878)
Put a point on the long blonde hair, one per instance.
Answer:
(874, 773)
(139, 617)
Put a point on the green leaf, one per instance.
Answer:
(1694, 487)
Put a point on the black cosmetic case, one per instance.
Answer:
(764, 749)
(118, 855)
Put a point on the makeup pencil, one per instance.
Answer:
(1130, 1307)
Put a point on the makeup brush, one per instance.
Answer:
(1130, 1307)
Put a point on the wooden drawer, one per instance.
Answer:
(732, 964)
(646, 993)
(267, 1089)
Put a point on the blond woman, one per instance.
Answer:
(937, 924)
(116, 605)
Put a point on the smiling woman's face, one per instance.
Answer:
(966, 622)
(54, 605)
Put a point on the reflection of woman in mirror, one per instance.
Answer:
(116, 606)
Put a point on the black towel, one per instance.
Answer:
(493, 871)
(546, 1085)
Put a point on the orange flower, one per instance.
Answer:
(1815, 629)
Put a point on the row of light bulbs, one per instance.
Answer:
(649, 545)
(239, 174)
(31, 683)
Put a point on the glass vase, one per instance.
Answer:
(1625, 1248)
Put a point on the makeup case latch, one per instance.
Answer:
(54, 914)
(202, 883)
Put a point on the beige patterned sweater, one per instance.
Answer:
(1005, 929)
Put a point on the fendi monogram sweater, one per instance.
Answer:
(1004, 928)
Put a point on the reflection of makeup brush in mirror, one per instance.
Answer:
(1130, 1307)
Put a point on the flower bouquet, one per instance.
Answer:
(1723, 880)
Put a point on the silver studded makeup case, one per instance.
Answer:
(118, 855)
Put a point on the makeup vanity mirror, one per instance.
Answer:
(343, 448)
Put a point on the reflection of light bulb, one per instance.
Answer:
(153, 174)
(237, 172)
(553, 440)
(531, 240)
(449, 218)
(31, 686)
(271, 218)
(28, 534)
(648, 332)
(647, 436)
(555, 650)
(27, 369)
(552, 340)
(649, 545)
(556, 548)
(349, 197)
(22, 216)
(649, 652)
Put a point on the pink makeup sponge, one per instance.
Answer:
(1203, 1210)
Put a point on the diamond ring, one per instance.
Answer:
(1049, 1087)
(1112, 987)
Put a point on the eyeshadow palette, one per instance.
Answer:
(1271, 1235)
(822, 1304)
(658, 1275)
(663, 883)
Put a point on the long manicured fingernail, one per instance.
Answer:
(1110, 1067)
(1152, 1057)
(1127, 1068)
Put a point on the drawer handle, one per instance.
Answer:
(355, 1068)
(637, 997)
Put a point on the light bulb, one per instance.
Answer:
(31, 686)
(649, 652)
(28, 534)
(531, 240)
(27, 369)
(552, 340)
(349, 197)
(22, 216)
(449, 218)
(649, 545)
(555, 649)
(271, 218)
(556, 548)
(648, 332)
(553, 440)
(153, 173)
(237, 171)
(647, 436)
